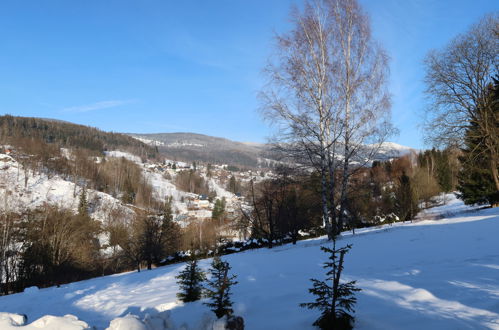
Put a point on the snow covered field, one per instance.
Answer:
(430, 274)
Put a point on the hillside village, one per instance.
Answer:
(19, 183)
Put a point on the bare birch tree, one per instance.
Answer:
(326, 94)
(300, 95)
(458, 79)
(360, 83)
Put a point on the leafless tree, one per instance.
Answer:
(326, 94)
(264, 215)
(8, 250)
(128, 236)
(158, 236)
(457, 79)
(360, 83)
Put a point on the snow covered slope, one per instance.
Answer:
(22, 190)
(430, 274)
(16, 194)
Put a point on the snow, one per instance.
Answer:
(126, 155)
(428, 274)
(221, 192)
(451, 205)
(128, 322)
(184, 144)
(393, 149)
(17, 195)
(389, 150)
(53, 190)
(148, 141)
(9, 321)
(164, 188)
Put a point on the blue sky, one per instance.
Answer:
(191, 66)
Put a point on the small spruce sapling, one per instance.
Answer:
(334, 299)
(219, 288)
(190, 280)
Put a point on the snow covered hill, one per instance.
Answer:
(22, 189)
(430, 274)
(391, 150)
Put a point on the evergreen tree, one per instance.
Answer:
(334, 299)
(476, 181)
(406, 203)
(444, 173)
(208, 170)
(83, 203)
(219, 288)
(190, 280)
(169, 232)
(233, 185)
(218, 209)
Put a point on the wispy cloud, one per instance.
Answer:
(97, 106)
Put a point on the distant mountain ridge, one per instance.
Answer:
(191, 147)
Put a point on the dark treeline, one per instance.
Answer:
(64, 134)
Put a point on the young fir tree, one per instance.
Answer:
(476, 182)
(334, 299)
(219, 288)
(190, 280)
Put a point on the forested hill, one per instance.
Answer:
(20, 131)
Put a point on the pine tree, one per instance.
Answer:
(190, 280)
(219, 288)
(334, 299)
